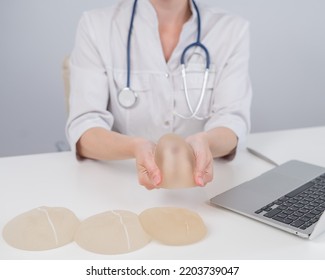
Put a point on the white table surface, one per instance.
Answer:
(306, 144)
(91, 187)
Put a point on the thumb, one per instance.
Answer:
(203, 173)
(199, 171)
(198, 177)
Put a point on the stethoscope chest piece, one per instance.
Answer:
(127, 98)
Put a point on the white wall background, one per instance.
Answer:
(287, 66)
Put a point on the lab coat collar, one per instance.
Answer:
(146, 10)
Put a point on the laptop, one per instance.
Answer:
(290, 197)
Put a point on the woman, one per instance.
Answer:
(100, 127)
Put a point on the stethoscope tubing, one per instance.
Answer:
(127, 103)
(198, 45)
(128, 49)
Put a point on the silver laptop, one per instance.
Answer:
(290, 197)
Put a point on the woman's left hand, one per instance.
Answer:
(203, 171)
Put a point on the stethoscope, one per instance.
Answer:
(127, 98)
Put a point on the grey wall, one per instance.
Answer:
(287, 61)
(287, 66)
(35, 37)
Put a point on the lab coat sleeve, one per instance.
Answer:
(232, 94)
(89, 93)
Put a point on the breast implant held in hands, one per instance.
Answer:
(175, 159)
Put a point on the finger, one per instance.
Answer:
(145, 181)
(143, 177)
(202, 180)
(199, 180)
(200, 170)
(203, 170)
(149, 175)
(154, 173)
(208, 176)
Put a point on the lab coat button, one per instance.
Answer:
(167, 123)
(167, 75)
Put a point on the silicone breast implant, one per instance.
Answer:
(175, 159)
(42, 228)
(173, 226)
(112, 232)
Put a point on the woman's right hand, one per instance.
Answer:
(149, 174)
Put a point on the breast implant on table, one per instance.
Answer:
(118, 231)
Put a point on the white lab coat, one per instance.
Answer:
(98, 72)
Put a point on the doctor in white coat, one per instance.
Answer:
(128, 88)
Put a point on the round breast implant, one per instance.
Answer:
(42, 228)
(175, 159)
(112, 232)
(173, 226)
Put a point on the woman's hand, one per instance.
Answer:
(149, 174)
(203, 171)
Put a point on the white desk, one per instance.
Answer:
(91, 187)
(306, 144)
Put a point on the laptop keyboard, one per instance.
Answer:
(300, 208)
